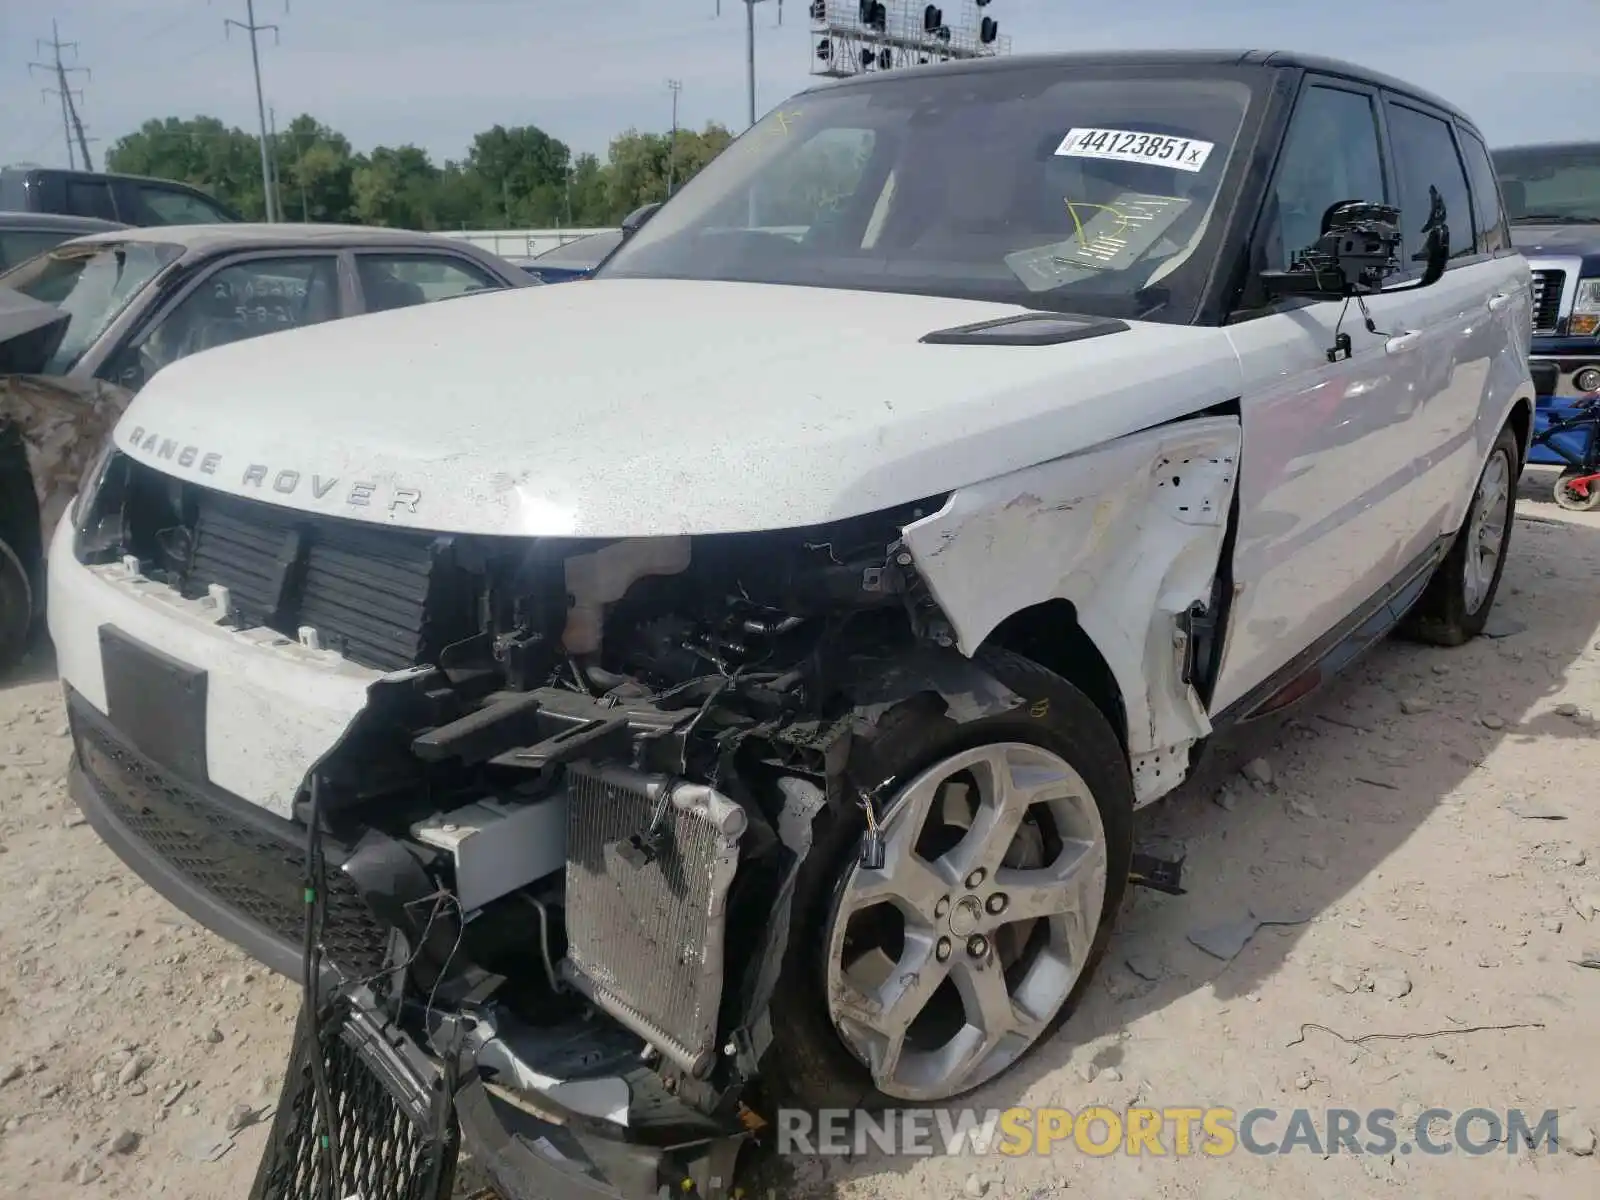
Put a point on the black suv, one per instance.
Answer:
(130, 199)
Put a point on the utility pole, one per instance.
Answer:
(674, 86)
(750, 47)
(70, 120)
(277, 190)
(251, 28)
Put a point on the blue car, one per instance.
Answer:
(574, 260)
(1552, 200)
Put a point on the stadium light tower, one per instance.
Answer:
(750, 46)
(850, 37)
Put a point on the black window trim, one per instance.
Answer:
(195, 275)
(408, 251)
(1239, 309)
(1410, 272)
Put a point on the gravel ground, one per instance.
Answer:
(1408, 817)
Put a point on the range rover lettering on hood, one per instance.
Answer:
(284, 481)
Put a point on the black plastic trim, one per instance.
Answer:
(1013, 331)
(1345, 642)
(276, 954)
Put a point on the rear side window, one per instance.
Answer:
(166, 206)
(1429, 167)
(402, 280)
(90, 198)
(1493, 233)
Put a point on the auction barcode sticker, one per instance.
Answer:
(1128, 145)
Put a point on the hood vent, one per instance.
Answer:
(1029, 329)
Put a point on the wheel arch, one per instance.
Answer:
(1049, 634)
(1521, 421)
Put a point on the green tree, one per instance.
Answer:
(516, 175)
(201, 151)
(315, 168)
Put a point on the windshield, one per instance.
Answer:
(92, 282)
(1091, 192)
(1550, 185)
(584, 253)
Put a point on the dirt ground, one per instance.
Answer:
(1433, 821)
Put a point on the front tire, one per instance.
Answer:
(1455, 607)
(1008, 847)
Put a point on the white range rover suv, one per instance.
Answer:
(746, 664)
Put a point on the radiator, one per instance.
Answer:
(649, 864)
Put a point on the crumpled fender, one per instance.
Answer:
(1131, 533)
(63, 424)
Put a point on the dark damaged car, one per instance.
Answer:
(86, 324)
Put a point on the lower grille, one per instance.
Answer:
(1547, 288)
(237, 855)
(646, 915)
(364, 589)
(387, 1149)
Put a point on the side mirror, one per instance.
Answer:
(1354, 254)
(1358, 249)
(634, 220)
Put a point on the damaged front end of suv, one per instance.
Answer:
(621, 827)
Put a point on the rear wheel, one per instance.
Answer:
(1007, 845)
(1584, 497)
(1455, 607)
(16, 608)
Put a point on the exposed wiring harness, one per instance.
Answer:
(311, 971)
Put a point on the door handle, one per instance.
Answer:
(1498, 301)
(1401, 342)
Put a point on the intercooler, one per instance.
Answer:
(649, 864)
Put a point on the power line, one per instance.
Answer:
(268, 184)
(70, 120)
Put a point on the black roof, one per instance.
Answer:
(56, 223)
(1267, 59)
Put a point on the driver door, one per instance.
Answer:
(1325, 511)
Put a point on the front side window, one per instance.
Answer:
(1550, 185)
(92, 282)
(402, 280)
(162, 206)
(1433, 185)
(1090, 191)
(19, 245)
(241, 301)
(1330, 155)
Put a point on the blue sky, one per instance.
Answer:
(434, 72)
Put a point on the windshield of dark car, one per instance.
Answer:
(583, 253)
(92, 282)
(1550, 184)
(1084, 190)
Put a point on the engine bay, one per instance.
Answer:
(578, 794)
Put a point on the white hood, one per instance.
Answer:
(632, 408)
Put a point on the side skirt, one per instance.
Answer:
(1334, 652)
